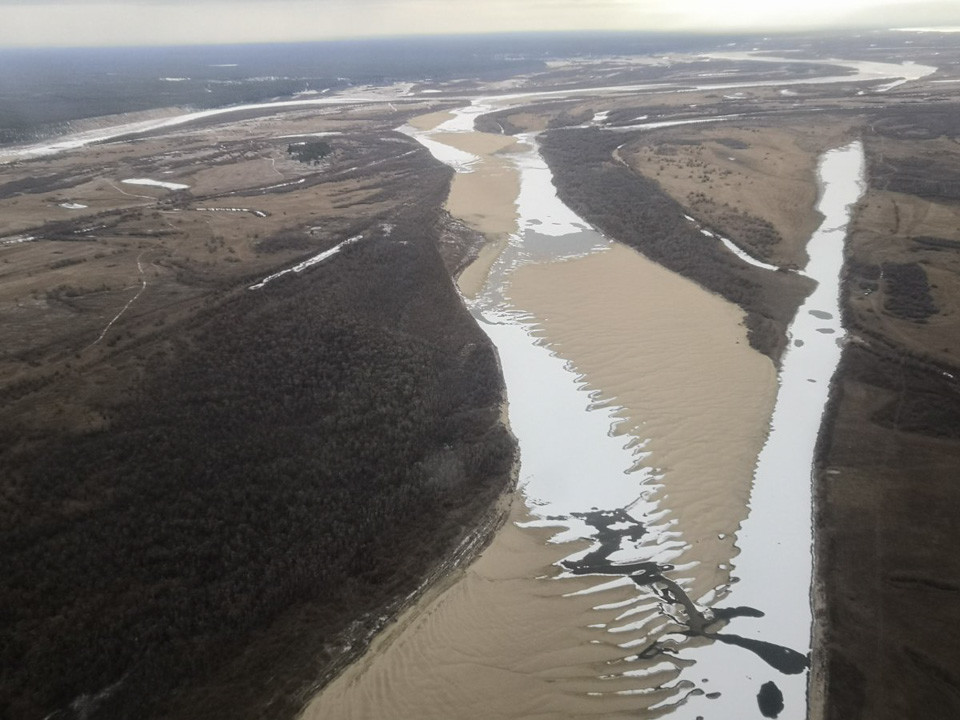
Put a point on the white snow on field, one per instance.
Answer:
(258, 213)
(309, 262)
(328, 133)
(16, 239)
(732, 247)
(156, 183)
(286, 184)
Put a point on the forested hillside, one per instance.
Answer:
(295, 457)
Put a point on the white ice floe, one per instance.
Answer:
(672, 123)
(549, 410)
(156, 183)
(308, 263)
(538, 207)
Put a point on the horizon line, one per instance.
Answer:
(745, 33)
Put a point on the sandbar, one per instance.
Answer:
(508, 639)
(676, 360)
(430, 120)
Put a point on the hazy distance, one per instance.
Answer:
(25, 23)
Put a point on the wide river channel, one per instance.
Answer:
(657, 561)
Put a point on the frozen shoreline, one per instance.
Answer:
(775, 564)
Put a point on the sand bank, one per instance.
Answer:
(676, 360)
(484, 198)
(474, 276)
(430, 120)
(478, 143)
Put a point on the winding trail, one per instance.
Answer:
(131, 301)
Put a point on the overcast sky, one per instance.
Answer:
(162, 22)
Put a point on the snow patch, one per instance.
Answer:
(310, 262)
(156, 183)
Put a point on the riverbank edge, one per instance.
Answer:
(378, 633)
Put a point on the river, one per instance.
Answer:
(652, 562)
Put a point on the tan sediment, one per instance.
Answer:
(430, 120)
(507, 640)
(676, 359)
(474, 276)
(485, 199)
(478, 143)
(504, 641)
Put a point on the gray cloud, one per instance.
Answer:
(153, 22)
(914, 14)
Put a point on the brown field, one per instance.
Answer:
(61, 290)
(729, 178)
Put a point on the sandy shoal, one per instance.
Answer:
(485, 199)
(478, 143)
(676, 359)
